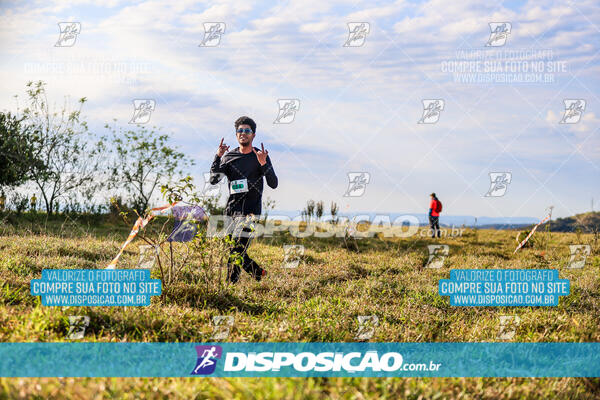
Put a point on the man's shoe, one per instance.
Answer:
(262, 274)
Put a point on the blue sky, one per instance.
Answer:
(359, 106)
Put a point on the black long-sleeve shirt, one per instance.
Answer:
(236, 165)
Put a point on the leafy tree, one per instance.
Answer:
(19, 202)
(69, 160)
(141, 162)
(17, 155)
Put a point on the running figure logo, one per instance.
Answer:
(292, 255)
(574, 109)
(68, 33)
(222, 326)
(499, 33)
(366, 326)
(579, 254)
(432, 108)
(212, 34)
(142, 110)
(499, 182)
(77, 325)
(358, 183)
(148, 254)
(508, 327)
(437, 255)
(287, 110)
(211, 190)
(357, 34)
(207, 359)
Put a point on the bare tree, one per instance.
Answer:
(310, 209)
(319, 210)
(334, 211)
(268, 205)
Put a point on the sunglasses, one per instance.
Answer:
(247, 131)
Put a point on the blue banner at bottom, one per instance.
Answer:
(299, 359)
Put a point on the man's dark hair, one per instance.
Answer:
(245, 121)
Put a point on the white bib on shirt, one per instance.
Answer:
(239, 186)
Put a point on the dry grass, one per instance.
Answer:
(318, 301)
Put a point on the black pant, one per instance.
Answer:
(434, 223)
(239, 249)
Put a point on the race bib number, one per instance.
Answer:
(239, 186)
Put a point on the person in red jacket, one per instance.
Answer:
(435, 208)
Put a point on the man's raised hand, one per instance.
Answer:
(261, 154)
(222, 148)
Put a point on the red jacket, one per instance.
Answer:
(434, 206)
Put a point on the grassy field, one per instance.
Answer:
(319, 300)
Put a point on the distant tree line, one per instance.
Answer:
(586, 223)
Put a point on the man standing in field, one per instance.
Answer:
(244, 168)
(435, 208)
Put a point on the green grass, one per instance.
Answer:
(318, 301)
